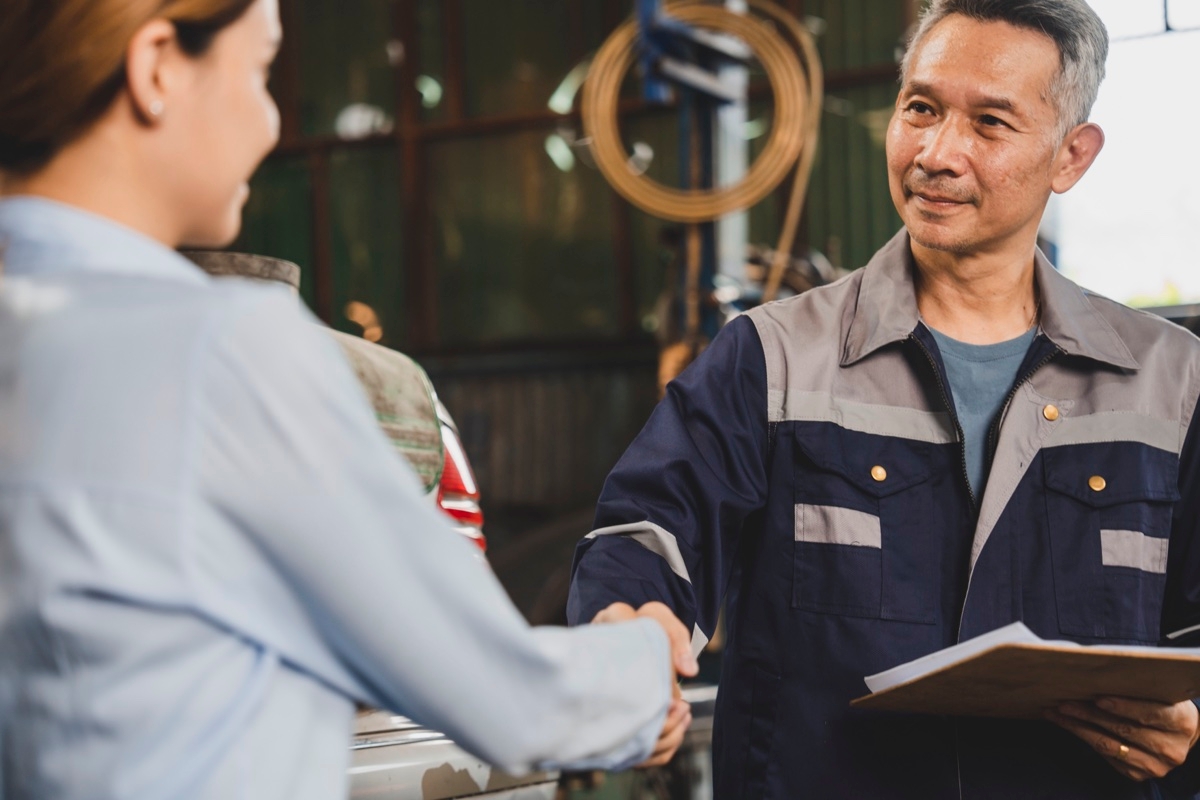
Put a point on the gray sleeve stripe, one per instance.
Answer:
(653, 538)
(904, 423)
(1135, 550)
(836, 525)
(699, 640)
(1116, 426)
(1183, 632)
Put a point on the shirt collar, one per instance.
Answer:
(42, 237)
(887, 310)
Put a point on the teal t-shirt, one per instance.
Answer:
(980, 377)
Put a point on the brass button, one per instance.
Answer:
(1097, 483)
(1050, 413)
(879, 474)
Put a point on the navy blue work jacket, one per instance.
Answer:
(808, 473)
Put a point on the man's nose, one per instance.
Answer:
(945, 148)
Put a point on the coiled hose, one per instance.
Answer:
(789, 57)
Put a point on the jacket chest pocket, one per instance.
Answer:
(863, 541)
(1109, 510)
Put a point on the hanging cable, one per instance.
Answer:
(789, 57)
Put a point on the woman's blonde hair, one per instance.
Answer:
(62, 64)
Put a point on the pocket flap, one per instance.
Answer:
(878, 465)
(1108, 473)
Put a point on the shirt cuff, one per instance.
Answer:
(638, 748)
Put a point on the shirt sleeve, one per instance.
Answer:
(1181, 602)
(672, 510)
(293, 457)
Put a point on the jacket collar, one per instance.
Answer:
(42, 237)
(887, 310)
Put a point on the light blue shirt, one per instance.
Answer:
(980, 377)
(208, 551)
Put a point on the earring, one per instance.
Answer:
(156, 108)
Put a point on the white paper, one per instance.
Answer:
(1014, 633)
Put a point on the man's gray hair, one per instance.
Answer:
(1081, 37)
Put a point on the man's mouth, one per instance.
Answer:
(938, 200)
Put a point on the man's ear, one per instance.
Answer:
(1076, 155)
(149, 68)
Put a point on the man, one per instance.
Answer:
(951, 439)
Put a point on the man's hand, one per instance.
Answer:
(679, 636)
(1141, 740)
(679, 717)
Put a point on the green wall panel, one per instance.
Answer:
(277, 220)
(850, 209)
(858, 33)
(365, 220)
(523, 246)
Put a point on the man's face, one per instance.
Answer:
(972, 145)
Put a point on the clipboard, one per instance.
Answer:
(1015, 675)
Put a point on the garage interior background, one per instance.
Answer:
(430, 184)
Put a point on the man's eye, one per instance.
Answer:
(992, 122)
(919, 108)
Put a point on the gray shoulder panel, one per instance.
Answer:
(802, 341)
(1163, 391)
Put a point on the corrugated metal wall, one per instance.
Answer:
(850, 211)
(547, 433)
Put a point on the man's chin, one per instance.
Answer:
(939, 238)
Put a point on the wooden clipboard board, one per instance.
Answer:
(1022, 681)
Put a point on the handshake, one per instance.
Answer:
(683, 664)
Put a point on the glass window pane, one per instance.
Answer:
(1128, 229)
(431, 81)
(365, 223)
(523, 241)
(1185, 14)
(347, 68)
(277, 219)
(516, 53)
(1125, 18)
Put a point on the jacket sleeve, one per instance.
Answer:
(671, 512)
(292, 456)
(1181, 602)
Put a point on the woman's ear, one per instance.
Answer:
(152, 65)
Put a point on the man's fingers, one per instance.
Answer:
(617, 612)
(1148, 714)
(1168, 747)
(677, 722)
(1120, 729)
(667, 747)
(1129, 771)
(679, 636)
(1100, 740)
(1128, 759)
(679, 718)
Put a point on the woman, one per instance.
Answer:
(208, 552)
